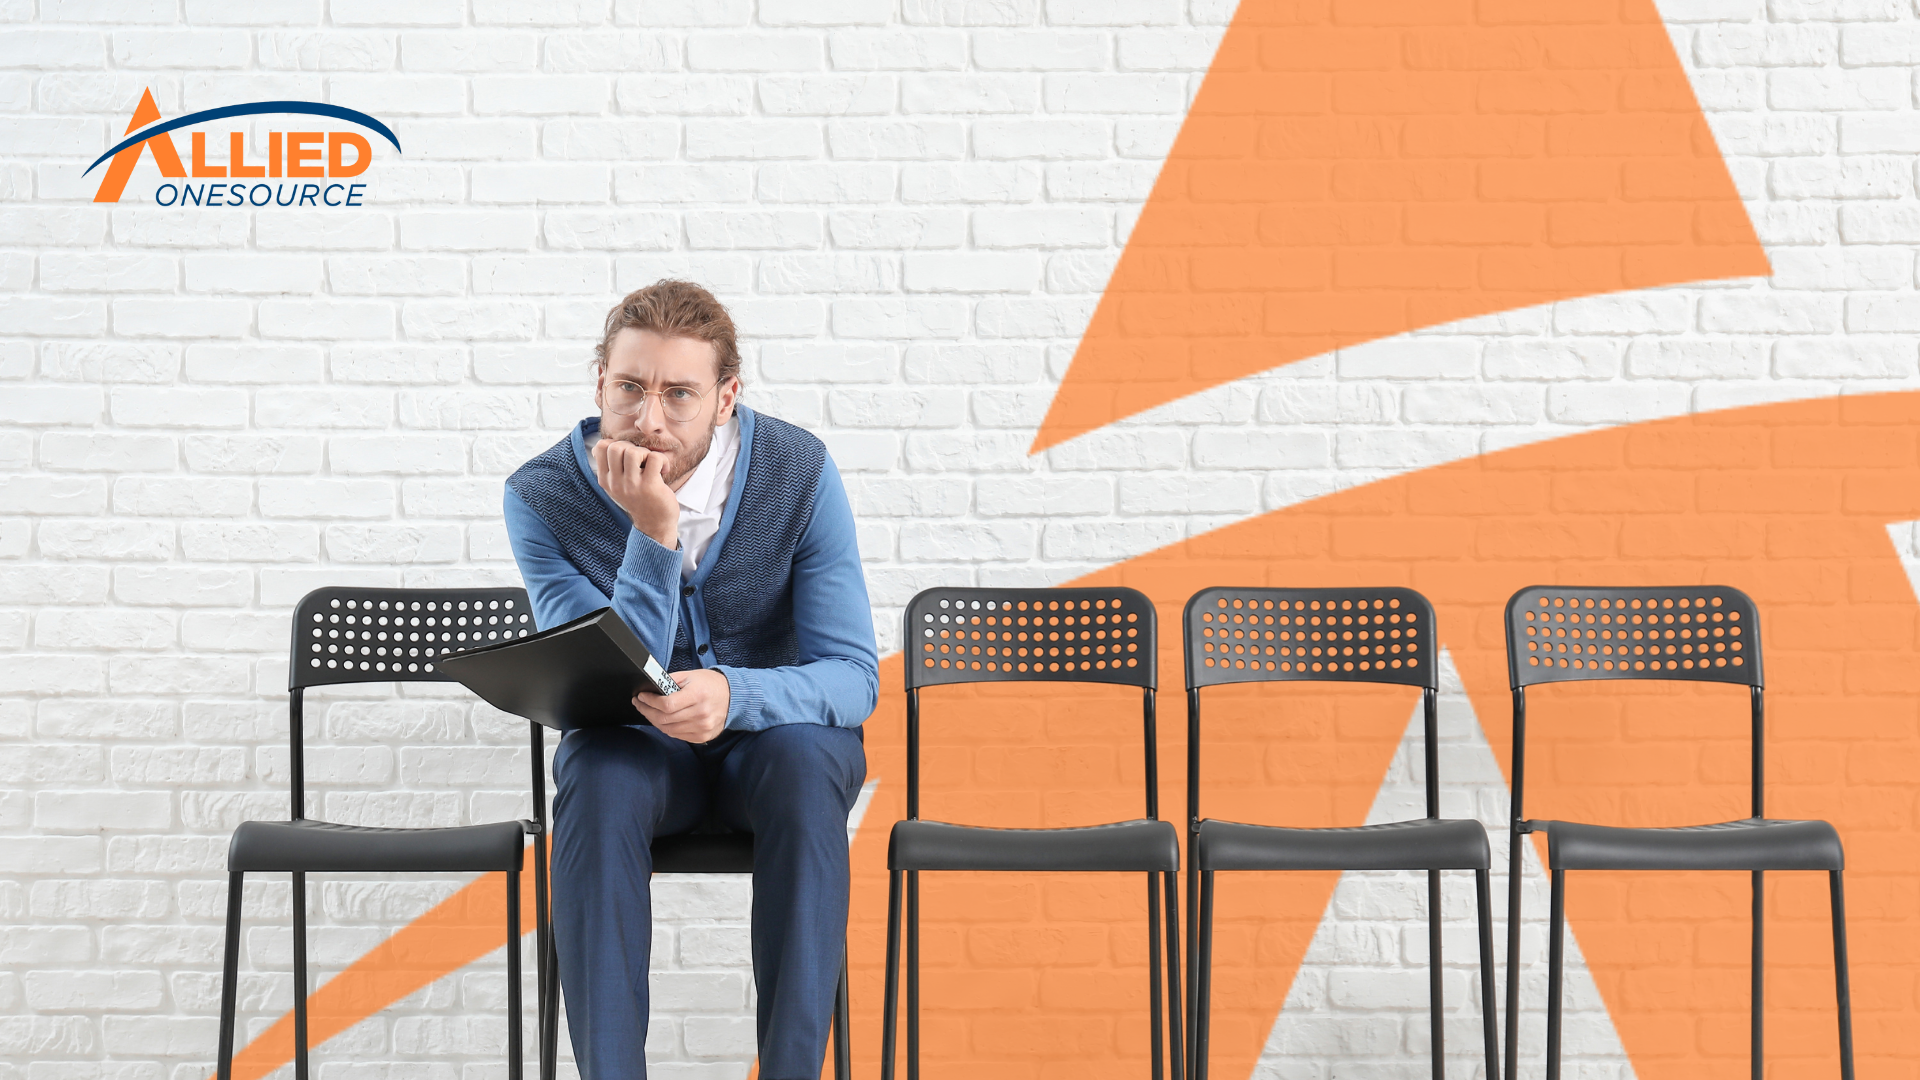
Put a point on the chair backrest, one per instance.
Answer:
(1699, 633)
(969, 635)
(1030, 635)
(347, 635)
(1241, 635)
(1706, 633)
(1309, 635)
(343, 634)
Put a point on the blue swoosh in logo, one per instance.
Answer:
(309, 108)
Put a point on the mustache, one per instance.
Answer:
(639, 440)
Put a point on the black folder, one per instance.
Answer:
(579, 674)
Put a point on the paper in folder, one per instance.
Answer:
(579, 674)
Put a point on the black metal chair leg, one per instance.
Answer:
(1176, 1019)
(1193, 950)
(1756, 1026)
(515, 1050)
(544, 970)
(1556, 965)
(1436, 999)
(300, 983)
(1203, 989)
(1156, 1007)
(842, 1027)
(230, 976)
(1489, 1021)
(913, 975)
(550, 1012)
(1843, 993)
(890, 1006)
(1513, 951)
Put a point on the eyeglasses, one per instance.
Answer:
(679, 403)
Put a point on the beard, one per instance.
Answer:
(682, 457)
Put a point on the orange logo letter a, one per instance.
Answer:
(164, 154)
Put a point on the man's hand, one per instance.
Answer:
(697, 714)
(630, 475)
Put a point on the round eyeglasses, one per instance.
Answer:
(679, 403)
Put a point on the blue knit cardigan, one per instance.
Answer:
(778, 605)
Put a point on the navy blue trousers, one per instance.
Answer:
(618, 788)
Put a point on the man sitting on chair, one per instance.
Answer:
(724, 539)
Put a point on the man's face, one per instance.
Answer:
(643, 360)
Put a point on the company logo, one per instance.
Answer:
(296, 161)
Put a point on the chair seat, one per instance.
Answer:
(1750, 844)
(703, 853)
(303, 846)
(1424, 844)
(1145, 845)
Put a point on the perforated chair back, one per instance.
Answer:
(1030, 635)
(349, 635)
(1236, 635)
(1704, 633)
(343, 634)
(968, 635)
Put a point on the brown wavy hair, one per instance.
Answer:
(674, 308)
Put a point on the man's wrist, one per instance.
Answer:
(671, 542)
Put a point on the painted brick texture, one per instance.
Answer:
(913, 207)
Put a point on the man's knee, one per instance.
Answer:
(598, 763)
(807, 762)
(810, 749)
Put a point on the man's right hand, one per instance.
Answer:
(630, 475)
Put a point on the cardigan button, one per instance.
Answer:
(701, 648)
(686, 590)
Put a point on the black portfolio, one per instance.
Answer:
(579, 674)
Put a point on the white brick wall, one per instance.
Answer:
(912, 206)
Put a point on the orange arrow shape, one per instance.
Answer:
(1354, 169)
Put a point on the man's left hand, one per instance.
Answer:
(697, 714)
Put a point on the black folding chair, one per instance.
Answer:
(1031, 635)
(732, 853)
(348, 635)
(1235, 635)
(1706, 633)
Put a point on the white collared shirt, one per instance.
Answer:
(703, 498)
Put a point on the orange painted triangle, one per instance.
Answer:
(1354, 169)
